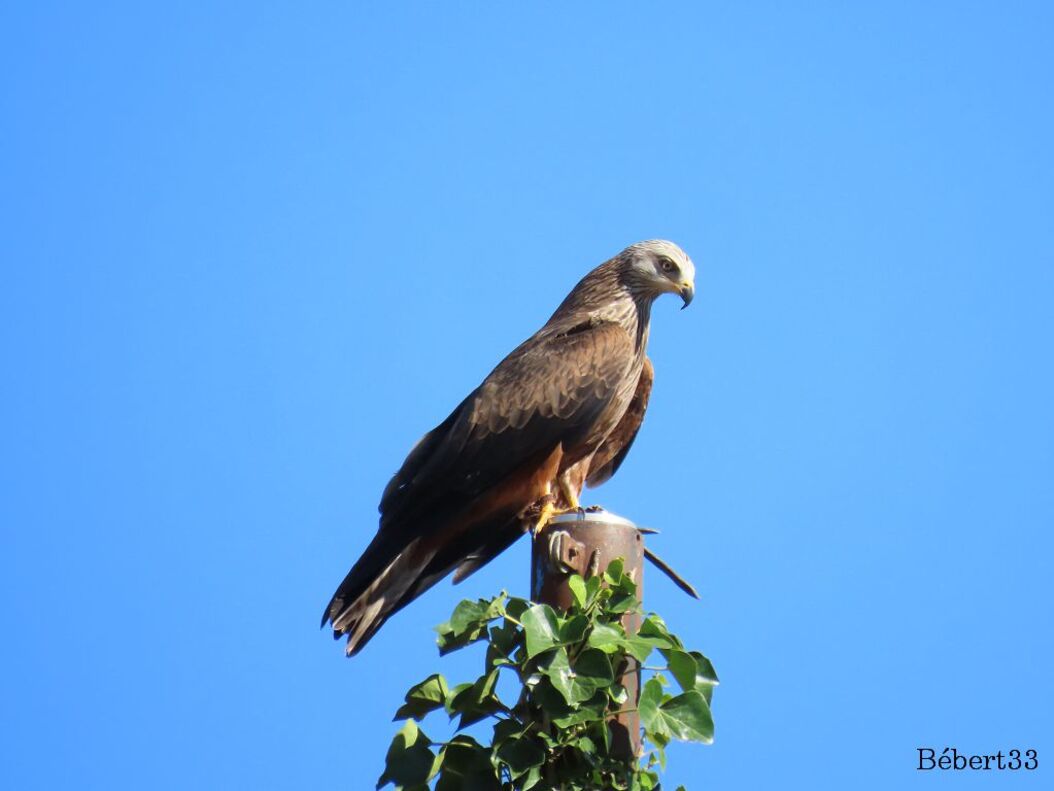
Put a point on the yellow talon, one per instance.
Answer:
(548, 511)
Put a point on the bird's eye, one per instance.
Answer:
(667, 265)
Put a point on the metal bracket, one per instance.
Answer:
(565, 553)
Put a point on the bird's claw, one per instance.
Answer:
(549, 510)
(547, 513)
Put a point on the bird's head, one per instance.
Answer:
(658, 267)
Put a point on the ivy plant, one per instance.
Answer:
(569, 669)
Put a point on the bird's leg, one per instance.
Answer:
(569, 495)
(549, 509)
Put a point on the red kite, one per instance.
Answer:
(559, 412)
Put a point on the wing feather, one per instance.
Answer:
(613, 450)
(549, 390)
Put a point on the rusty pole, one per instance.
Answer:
(590, 541)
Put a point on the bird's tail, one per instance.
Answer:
(383, 581)
(390, 575)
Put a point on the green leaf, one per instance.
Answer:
(593, 709)
(521, 754)
(516, 606)
(618, 694)
(577, 586)
(504, 640)
(410, 760)
(541, 627)
(577, 682)
(467, 614)
(468, 623)
(593, 668)
(573, 630)
(454, 695)
(545, 696)
(705, 677)
(496, 658)
(506, 729)
(621, 584)
(685, 717)
(577, 717)
(639, 647)
(466, 766)
(621, 601)
(705, 671)
(533, 779)
(660, 741)
(654, 631)
(708, 693)
(602, 733)
(422, 698)
(689, 717)
(592, 588)
(611, 638)
(557, 667)
(648, 706)
(627, 586)
(475, 701)
(606, 637)
(449, 642)
(505, 637)
(683, 667)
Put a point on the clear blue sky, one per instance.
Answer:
(250, 254)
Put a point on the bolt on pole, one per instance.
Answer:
(585, 543)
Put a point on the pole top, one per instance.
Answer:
(597, 516)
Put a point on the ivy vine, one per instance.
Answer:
(570, 669)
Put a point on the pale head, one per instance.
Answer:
(659, 267)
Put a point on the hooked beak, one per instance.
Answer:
(687, 293)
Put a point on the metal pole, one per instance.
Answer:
(590, 541)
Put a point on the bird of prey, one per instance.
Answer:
(559, 412)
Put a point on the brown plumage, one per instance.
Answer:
(559, 411)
